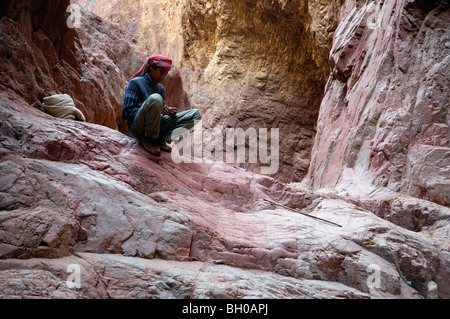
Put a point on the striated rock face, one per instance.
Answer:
(43, 58)
(92, 63)
(384, 117)
(74, 191)
(84, 204)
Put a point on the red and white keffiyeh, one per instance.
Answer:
(158, 60)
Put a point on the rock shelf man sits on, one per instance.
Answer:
(148, 117)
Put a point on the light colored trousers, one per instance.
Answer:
(150, 122)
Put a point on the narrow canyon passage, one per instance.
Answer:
(245, 64)
(357, 89)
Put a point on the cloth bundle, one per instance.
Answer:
(62, 106)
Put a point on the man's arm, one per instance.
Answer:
(131, 101)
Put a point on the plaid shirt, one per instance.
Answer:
(136, 92)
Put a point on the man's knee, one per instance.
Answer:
(154, 101)
(197, 115)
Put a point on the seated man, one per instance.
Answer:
(148, 117)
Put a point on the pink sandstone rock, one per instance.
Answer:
(83, 195)
(83, 188)
(384, 113)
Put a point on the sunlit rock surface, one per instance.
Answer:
(86, 196)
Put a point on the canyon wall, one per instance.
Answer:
(384, 113)
(44, 58)
(79, 195)
(384, 117)
(92, 61)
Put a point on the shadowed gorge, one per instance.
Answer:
(258, 64)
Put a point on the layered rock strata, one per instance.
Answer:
(73, 191)
(82, 196)
(91, 61)
(384, 117)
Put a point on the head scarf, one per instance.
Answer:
(158, 60)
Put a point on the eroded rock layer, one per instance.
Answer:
(82, 196)
(384, 117)
(41, 58)
(70, 188)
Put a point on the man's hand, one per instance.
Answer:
(168, 110)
